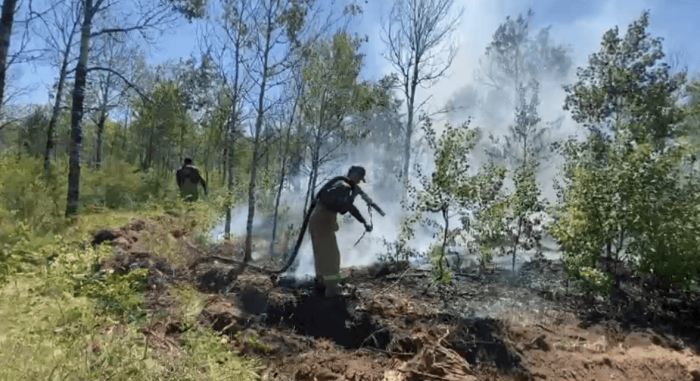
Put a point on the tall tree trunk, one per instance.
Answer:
(278, 197)
(248, 251)
(50, 151)
(6, 21)
(407, 144)
(56, 111)
(229, 188)
(125, 144)
(101, 121)
(76, 131)
(230, 141)
(224, 167)
(100, 137)
(283, 174)
(309, 195)
(149, 156)
(441, 260)
(231, 137)
(516, 241)
(181, 150)
(316, 154)
(409, 127)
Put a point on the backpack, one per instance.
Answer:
(336, 196)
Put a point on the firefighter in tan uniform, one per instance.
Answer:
(336, 196)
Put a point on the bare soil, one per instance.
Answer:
(395, 324)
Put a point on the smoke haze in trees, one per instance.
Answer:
(579, 30)
(466, 94)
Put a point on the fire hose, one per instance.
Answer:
(295, 250)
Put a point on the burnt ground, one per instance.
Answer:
(395, 324)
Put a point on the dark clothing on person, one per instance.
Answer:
(339, 196)
(188, 180)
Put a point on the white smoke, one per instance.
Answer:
(371, 247)
(578, 26)
(581, 32)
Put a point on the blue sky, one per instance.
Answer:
(577, 23)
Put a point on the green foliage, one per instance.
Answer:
(25, 195)
(116, 186)
(524, 224)
(441, 272)
(517, 60)
(163, 131)
(446, 189)
(595, 281)
(487, 222)
(118, 294)
(32, 133)
(191, 303)
(691, 124)
(516, 52)
(333, 90)
(526, 198)
(209, 355)
(61, 320)
(452, 190)
(190, 9)
(630, 193)
(628, 88)
(252, 340)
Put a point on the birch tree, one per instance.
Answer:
(517, 61)
(19, 51)
(296, 89)
(59, 29)
(277, 25)
(233, 30)
(417, 36)
(150, 15)
(7, 19)
(334, 94)
(107, 89)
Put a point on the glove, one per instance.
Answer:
(368, 227)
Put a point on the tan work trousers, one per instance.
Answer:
(323, 224)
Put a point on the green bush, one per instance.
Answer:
(26, 196)
(118, 294)
(441, 272)
(61, 320)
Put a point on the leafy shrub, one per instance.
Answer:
(440, 269)
(595, 281)
(58, 321)
(118, 294)
(26, 196)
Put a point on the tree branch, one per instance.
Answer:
(116, 30)
(124, 79)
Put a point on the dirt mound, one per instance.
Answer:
(330, 318)
(123, 238)
(329, 365)
(222, 315)
(395, 324)
(565, 351)
(484, 341)
(433, 361)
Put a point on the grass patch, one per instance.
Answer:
(190, 303)
(60, 320)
